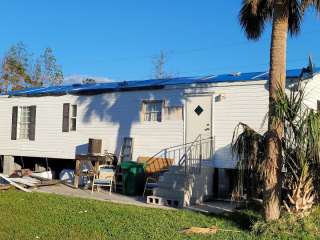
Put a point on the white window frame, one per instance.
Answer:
(23, 122)
(152, 113)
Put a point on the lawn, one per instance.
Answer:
(44, 216)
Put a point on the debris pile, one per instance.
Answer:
(25, 180)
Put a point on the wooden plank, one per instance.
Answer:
(14, 184)
(47, 183)
(96, 167)
(157, 164)
(28, 181)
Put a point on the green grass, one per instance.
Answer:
(290, 227)
(46, 216)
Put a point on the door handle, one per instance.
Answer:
(207, 129)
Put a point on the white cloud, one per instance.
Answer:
(79, 78)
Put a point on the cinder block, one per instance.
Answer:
(161, 201)
(155, 200)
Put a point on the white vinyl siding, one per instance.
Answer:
(245, 103)
(109, 116)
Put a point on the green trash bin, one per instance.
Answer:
(132, 178)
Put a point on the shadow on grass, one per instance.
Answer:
(243, 219)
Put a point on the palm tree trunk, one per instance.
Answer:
(272, 186)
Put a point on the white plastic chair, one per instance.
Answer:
(104, 178)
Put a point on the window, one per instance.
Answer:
(69, 117)
(23, 124)
(152, 110)
(73, 119)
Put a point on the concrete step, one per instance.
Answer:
(173, 177)
(177, 169)
(176, 180)
(175, 188)
(168, 193)
(177, 174)
(172, 186)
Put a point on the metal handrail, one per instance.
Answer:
(176, 146)
(192, 164)
(188, 150)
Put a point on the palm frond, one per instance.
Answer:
(311, 3)
(253, 16)
(246, 147)
(295, 12)
(313, 135)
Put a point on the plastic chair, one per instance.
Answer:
(104, 178)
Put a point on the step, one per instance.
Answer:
(177, 182)
(177, 194)
(177, 169)
(176, 175)
(173, 177)
(172, 187)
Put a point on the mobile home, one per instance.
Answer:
(56, 122)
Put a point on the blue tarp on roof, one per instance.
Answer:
(93, 88)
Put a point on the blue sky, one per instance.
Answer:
(118, 39)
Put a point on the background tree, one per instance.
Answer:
(19, 71)
(37, 74)
(14, 68)
(46, 70)
(286, 16)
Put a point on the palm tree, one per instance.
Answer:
(300, 147)
(285, 16)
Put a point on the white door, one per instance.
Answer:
(198, 117)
